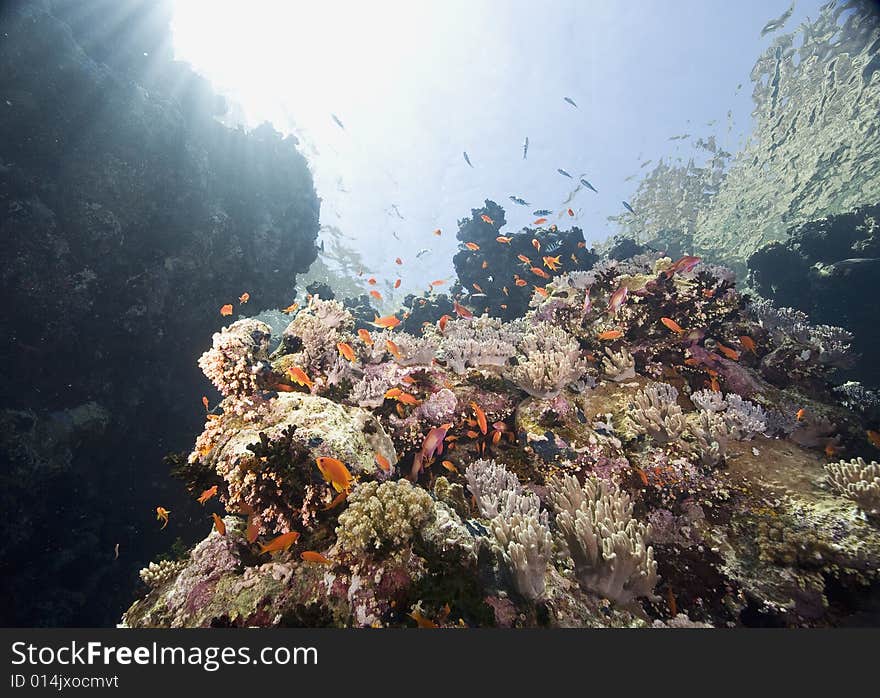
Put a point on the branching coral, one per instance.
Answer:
(858, 480)
(656, 413)
(608, 546)
(480, 342)
(742, 419)
(548, 359)
(232, 364)
(619, 366)
(497, 491)
(525, 543)
(156, 574)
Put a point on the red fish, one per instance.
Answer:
(525, 260)
(609, 335)
(389, 322)
(503, 240)
(244, 297)
(441, 323)
(748, 343)
(334, 472)
(207, 494)
(312, 556)
(282, 542)
(570, 212)
(540, 290)
(683, 265)
(300, 377)
(438, 232)
(226, 309)
(398, 261)
(346, 351)
(536, 244)
(365, 337)
(481, 417)
(731, 354)
(375, 294)
(873, 437)
(393, 348)
(290, 308)
(397, 283)
(537, 271)
(205, 403)
(472, 246)
(672, 325)
(461, 311)
(372, 281)
(539, 221)
(486, 219)
(382, 462)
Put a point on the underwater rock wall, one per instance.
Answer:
(128, 215)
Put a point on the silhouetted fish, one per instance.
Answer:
(588, 185)
(570, 101)
(338, 122)
(525, 147)
(563, 173)
(466, 158)
(517, 200)
(542, 212)
(628, 207)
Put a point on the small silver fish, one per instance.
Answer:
(564, 173)
(628, 207)
(525, 147)
(466, 158)
(338, 122)
(542, 212)
(422, 251)
(588, 185)
(517, 200)
(570, 101)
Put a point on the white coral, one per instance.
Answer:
(607, 545)
(858, 480)
(548, 359)
(525, 543)
(656, 413)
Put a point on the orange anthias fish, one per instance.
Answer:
(393, 348)
(397, 283)
(542, 291)
(461, 311)
(312, 556)
(398, 261)
(205, 403)
(207, 494)
(536, 244)
(392, 393)
(570, 212)
(731, 354)
(873, 437)
(252, 532)
(382, 462)
(346, 351)
(334, 472)
(552, 263)
(748, 343)
(484, 265)
(438, 232)
(282, 542)
(389, 322)
(472, 246)
(292, 308)
(441, 323)
(219, 525)
(372, 281)
(481, 417)
(244, 297)
(539, 221)
(438, 282)
(713, 384)
(537, 271)
(672, 325)
(226, 309)
(162, 515)
(801, 414)
(421, 621)
(685, 264)
(521, 282)
(407, 399)
(525, 260)
(486, 219)
(375, 294)
(609, 335)
(300, 377)
(449, 466)
(337, 500)
(503, 240)
(477, 287)
(365, 337)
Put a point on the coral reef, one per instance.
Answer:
(858, 480)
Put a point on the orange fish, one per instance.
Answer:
(461, 311)
(290, 308)
(393, 348)
(748, 343)
(334, 472)
(372, 281)
(252, 532)
(552, 263)
(282, 542)
(570, 212)
(383, 463)
(537, 271)
(398, 261)
(205, 403)
(472, 246)
(481, 417)
(486, 219)
(496, 437)
(477, 287)
(672, 325)
(830, 449)
(539, 221)
(397, 283)
(484, 265)
(219, 525)
(207, 494)
(299, 377)
(375, 294)
(801, 414)
(244, 297)
(438, 232)
(525, 260)
(226, 309)
(365, 337)
(642, 476)
(521, 282)
(441, 323)
(438, 282)
(708, 293)
(449, 466)
(407, 399)
(162, 515)
(392, 392)
(471, 434)
(536, 244)
(873, 437)
(389, 322)
(346, 351)
(542, 291)
(503, 240)
(421, 621)
(337, 500)
(713, 384)
(312, 556)
(731, 354)
(609, 335)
